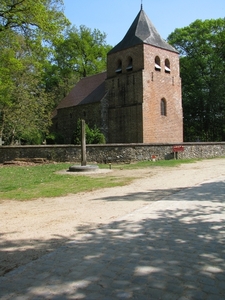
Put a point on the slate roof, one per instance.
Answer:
(142, 31)
(88, 90)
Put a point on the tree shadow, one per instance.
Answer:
(13, 254)
(194, 193)
(163, 251)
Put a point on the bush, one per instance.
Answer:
(54, 138)
(93, 136)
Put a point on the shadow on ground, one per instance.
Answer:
(175, 251)
(192, 193)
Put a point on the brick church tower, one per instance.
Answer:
(144, 88)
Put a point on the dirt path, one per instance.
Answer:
(30, 229)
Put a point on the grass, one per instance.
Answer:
(32, 182)
(159, 163)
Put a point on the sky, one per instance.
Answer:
(114, 17)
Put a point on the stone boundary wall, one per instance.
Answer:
(112, 152)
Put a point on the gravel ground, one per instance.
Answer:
(30, 229)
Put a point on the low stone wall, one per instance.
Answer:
(112, 152)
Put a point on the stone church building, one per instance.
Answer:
(137, 100)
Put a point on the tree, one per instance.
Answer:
(58, 80)
(25, 107)
(83, 51)
(80, 53)
(27, 29)
(202, 49)
(33, 19)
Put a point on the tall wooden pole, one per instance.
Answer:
(83, 144)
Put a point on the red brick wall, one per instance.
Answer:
(158, 128)
(125, 97)
(135, 52)
(135, 97)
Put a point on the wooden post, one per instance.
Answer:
(83, 144)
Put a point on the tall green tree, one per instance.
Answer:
(202, 50)
(25, 107)
(81, 52)
(27, 30)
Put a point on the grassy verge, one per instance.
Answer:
(159, 163)
(32, 182)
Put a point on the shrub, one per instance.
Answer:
(93, 135)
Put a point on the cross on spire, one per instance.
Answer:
(141, 4)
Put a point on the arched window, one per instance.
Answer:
(130, 64)
(157, 64)
(163, 107)
(119, 66)
(167, 66)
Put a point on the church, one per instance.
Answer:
(137, 100)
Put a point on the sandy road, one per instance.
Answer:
(31, 228)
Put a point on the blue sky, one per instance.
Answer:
(114, 17)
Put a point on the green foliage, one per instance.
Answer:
(40, 61)
(25, 27)
(54, 138)
(24, 105)
(202, 49)
(79, 53)
(82, 51)
(93, 136)
(58, 80)
(34, 19)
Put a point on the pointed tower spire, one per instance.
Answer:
(142, 31)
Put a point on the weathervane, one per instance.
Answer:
(141, 4)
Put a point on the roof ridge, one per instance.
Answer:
(89, 76)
